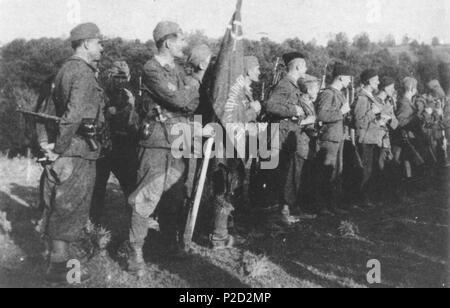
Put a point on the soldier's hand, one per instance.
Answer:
(376, 109)
(45, 146)
(52, 156)
(256, 106)
(345, 109)
(440, 112)
(309, 120)
(300, 112)
(131, 99)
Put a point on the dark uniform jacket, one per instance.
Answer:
(329, 106)
(123, 123)
(407, 115)
(281, 108)
(77, 95)
(368, 128)
(165, 87)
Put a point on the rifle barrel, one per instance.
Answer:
(40, 115)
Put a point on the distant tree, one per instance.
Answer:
(339, 46)
(405, 40)
(435, 41)
(389, 42)
(362, 42)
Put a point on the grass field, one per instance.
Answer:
(410, 240)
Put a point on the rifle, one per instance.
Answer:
(41, 116)
(418, 159)
(88, 127)
(323, 85)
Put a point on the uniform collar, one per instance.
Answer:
(291, 80)
(77, 58)
(165, 64)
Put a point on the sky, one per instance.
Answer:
(277, 19)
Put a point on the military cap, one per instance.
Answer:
(120, 68)
(165, 28)
(409, 82)
(85, 31)
(291, 56)
(199, 54)
(434, 84)
(250, 62)
(368, 74)
(341, 69)
(385, 82)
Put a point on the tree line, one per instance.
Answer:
(26, 64)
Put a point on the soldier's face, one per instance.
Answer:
(254, 74)
(390, 90)
(177, 45)
(95, 49)
(374, 82)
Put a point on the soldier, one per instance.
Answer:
(122, 121)
(310, 87)
(70, 179)
(331, 109)
(386, 98)
(390, 171)
(285, 107)
(410, 128)
(229, 174)
(371, 122)
(435, 126)
(167, 101)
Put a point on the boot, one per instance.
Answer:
(136, 263)
(220, 237)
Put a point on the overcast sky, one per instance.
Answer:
(280, 19)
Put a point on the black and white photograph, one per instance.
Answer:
(206, 145)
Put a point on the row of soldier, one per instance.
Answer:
(322, 134)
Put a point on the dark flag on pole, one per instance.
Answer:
(230, 62)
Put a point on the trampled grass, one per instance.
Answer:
(410, 240)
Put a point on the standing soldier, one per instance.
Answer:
(436, 127)
(310, 87)
(331, 107)
(240, 109)
(410, 128)
(390, 172)
(286, 108)
(70, 179)
(370, 130)
(167, 101)
(122, 122)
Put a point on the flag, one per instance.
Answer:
(229, 64)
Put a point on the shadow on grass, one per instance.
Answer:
(196, 270)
